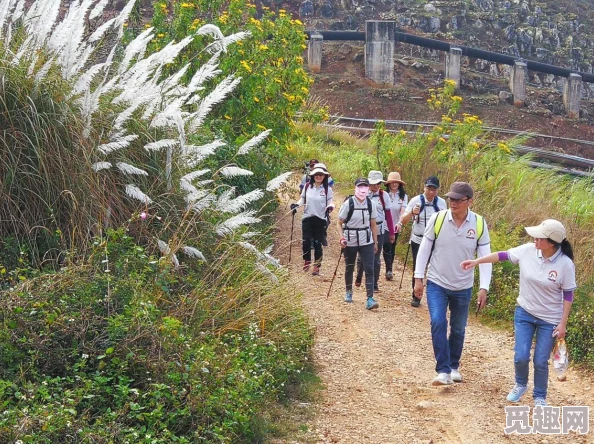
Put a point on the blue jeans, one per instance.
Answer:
(526, 326)
(447, 350)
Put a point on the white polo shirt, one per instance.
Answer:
(542, 281)
(397, 205)
(316, 201)
(453, 246)
(382, 226)
(358, 235)
(420, 222)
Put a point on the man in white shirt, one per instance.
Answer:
(450, 236)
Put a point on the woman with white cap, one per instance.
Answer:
(399, 201)
(547, 283)
(317, 196)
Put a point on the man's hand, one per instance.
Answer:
(418, 290)
(481, 300)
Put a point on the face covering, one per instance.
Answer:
(361, 192)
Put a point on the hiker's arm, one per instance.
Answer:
(343, 241)
(486, 268)
(488, 259)
(561, 328)
(421, 265)
(390, 222)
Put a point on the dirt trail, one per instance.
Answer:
(376, 367)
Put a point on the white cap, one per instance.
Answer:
(548, 229)
(319, 168)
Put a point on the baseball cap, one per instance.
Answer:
(548, 229)
(432, 181)
(460, 190)
(361, 181)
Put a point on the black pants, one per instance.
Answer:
(414, 247)
(313, 231)
(377, 265)
(390, 251)
(366, 255)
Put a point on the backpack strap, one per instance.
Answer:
(422, 203)
(480, 228)
(435, 206)
(381, 197)
(305, 191)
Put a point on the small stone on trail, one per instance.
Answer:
(424, 405)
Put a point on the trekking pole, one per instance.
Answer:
(291, 241)
(404, 268)
(335, 270)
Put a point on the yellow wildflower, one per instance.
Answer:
(297, 21)
(246, 66)
(161, 35)
(262, 127)
(403, 132)
(227, 117)
(256, 100)
(441, 139)
(263, 47)
(456, 98)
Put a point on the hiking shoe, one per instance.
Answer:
(389, 275)
(540, 402)
(348, 296)
(456, 376)
(316, 270)
(442, 379)
(371, 304)
(306, 265)
(357, 282)
(516, 393)
(324, 241)
(415, 301)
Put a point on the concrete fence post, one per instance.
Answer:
(517, 83)
(572, 94)
(452, 65)
(314, 52)
(380, 41)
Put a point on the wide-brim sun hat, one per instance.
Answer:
(394, 177)
(319, 168)
(374, 177)
(548, 229)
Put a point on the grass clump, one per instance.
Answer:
(141, 354)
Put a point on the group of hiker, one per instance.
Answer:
(446, 245)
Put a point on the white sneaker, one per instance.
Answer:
(456, 376)
(442, 379)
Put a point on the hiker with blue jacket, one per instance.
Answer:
(420, 209)
(358, 235)
(452, 236)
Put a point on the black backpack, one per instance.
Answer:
(352, 208)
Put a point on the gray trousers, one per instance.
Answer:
(366, 257)
(377, 265)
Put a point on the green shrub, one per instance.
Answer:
(124, 348)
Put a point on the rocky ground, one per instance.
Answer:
(376, 367)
